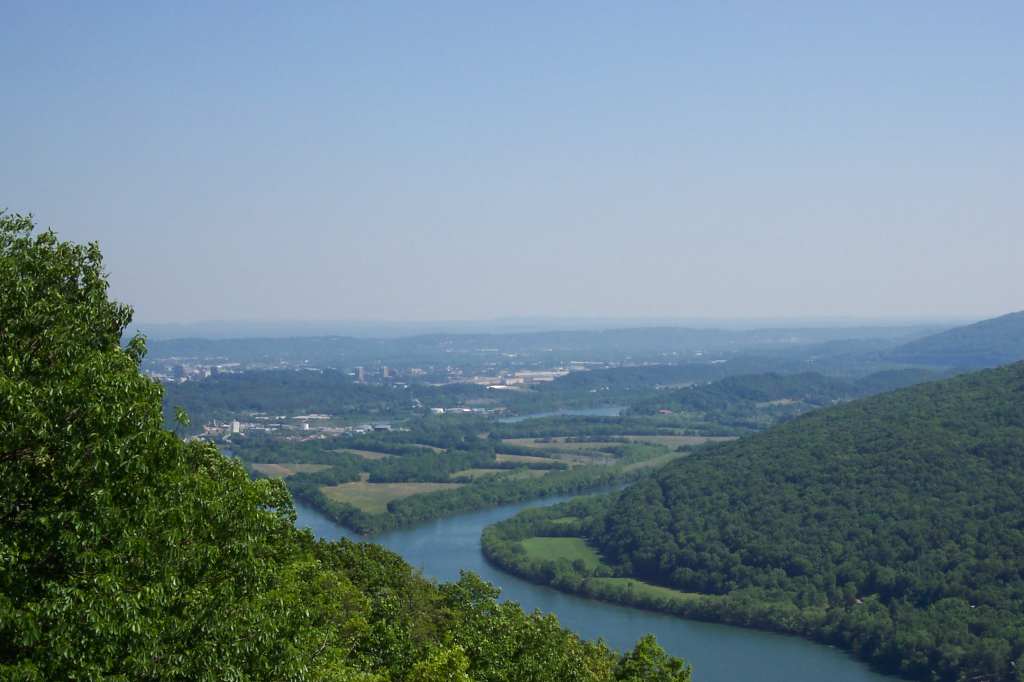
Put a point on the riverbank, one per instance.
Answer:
(483, 493)
(547, 547)
(443, 548)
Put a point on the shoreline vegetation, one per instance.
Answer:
(889, 526)
(436, 467)
(474, 494)
(544, 546)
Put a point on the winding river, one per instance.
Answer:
(718, 653)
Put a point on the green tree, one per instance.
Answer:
(128, 554)
(648, 661)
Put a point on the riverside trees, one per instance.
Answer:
(126, 553)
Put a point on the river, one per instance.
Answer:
(718, 653)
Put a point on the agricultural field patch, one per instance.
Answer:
(647, 589)
(570, 549)
(676, 441)
(373, 498)
(278, 470)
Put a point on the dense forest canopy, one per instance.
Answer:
(126, 553)
(893, 525)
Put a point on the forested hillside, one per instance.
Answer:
(893, 525)
(754, 401)
(128, 554)
(988, 343)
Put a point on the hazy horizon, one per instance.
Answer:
(237, 329)
(457, 161)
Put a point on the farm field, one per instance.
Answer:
(284, 470)
(655, 462)
(553, 549)
(522, 459)
(560, 443)
(373, 498)
(508, 473)
(367, 454)
(647, 589)
(676, 441)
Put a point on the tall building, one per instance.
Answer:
(385, 372)
(360, 375)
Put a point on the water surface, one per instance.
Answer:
(718, 653)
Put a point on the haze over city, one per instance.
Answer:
(458, 161)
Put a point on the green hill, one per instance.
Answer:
(759, 400)
(892, 525)
(988, 343)
(129, 554)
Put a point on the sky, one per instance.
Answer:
(467, 161)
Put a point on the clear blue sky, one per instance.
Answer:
(435, 160)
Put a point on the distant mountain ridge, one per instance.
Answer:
(988, 343)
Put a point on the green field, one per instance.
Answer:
(553, 549)
(373, 498)
(524, 459)
(560, 443)
(367, 454)
(654, 462)
(508, 473)
(276, 470)
(478, 473)
(676, 441)
(646, 589)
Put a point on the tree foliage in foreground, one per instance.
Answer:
(126, 553)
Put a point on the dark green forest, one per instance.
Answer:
(128, 554)
(892, 525)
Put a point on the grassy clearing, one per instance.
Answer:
(368, 454)
(373, 498)
(646, 589)
(276, 470)
(506, 473)
(654, 462)
(559, 443)
(596, 446)
(522, 459)
(553, 549)
(477, 473)
(676, 441)
(527, 443)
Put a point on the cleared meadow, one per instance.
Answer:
(373, 498)
(553, 549)
(284, 470)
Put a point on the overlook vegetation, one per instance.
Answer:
(892, 525)
(128, 554)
